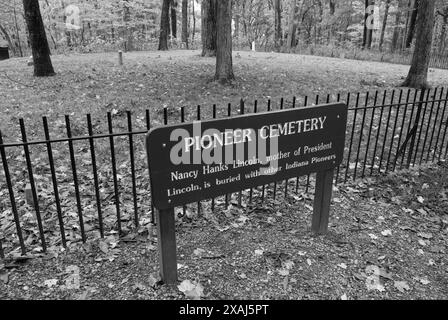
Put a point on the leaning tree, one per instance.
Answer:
(418, 74)
(38, 39)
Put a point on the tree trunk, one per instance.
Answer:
(209, 27)
(396, 34)
(383, 28)
(364, 37)
(292, 25)
(224, 65)
(370, 30)
(17, 32)
(332, 7)
(164, 25)
(185, 22)
(411, 31)
(8, 39)
(194, 19)
(278, 24)
(39, 44)
(442, 43)
(418, 74)
(174, 18)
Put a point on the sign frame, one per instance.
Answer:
(165, 218)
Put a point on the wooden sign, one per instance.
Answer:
(205, 159)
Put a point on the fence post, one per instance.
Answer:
(414, 129)
(322, 200)
(167, 245)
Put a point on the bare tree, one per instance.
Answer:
(383, 28)
(411, 31)
(164, 25)
(418, 74)
(185, 22)
(174, 18)
(224, 64)
(209, 27)
(38, 39)
(278, 24)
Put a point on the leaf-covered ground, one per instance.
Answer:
(387, 240)
(393, 230)
(94, 83)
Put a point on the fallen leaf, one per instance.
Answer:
(424, 235)
(50, 283)
(198, 251)
(401, 286)
(283, 272)
(342, 265)
(4, 277)
(191, 290)
(308, 261)
(372, 236)
(386, 233)
(344, 297)
(258, 252)
(72, 281)
(420, 199)
(104, 247)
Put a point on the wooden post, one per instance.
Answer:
(322, 199)
(167, 245)
(120, 58)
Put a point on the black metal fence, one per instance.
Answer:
(92, 181)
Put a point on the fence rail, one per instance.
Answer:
(55, 190)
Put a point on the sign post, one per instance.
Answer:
(206, 159)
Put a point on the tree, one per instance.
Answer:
(383, 28)
(38, 39)
(209, 27)
(397, 27)
(418, 74)
(185, 22)
(444, 14)
(411, 30)
(164, 25)
(278, 24)
(224, 65)
(292, 25)
(174, 18)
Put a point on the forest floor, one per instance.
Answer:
(388, 239)
(388, 235)
(94, 83)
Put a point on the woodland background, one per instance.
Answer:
(320, 27)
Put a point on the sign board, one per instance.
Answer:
(205, 159)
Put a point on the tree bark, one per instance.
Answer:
(224, 65)
(38, 39)
(185, 22)
(209, 27)
(364, 38)
(8, 39)
(292, 25)
(164, 25)
(411, 31)
(396, 34)
(443, 32)
(418, 74)
(174, 18)
(370, 31)
(383, 28)
(278, 24)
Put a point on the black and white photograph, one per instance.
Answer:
(227, 158)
